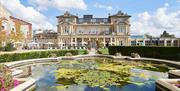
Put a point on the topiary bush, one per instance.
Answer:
(169, 53)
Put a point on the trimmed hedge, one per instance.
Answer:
(169, 53)
(37, 54)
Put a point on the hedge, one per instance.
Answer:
(169, 53)
(37, 54)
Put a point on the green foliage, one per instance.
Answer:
(82, 52)
(104, 51)
(169, 53)
(166, 35)
(8, 47)
(36, 54)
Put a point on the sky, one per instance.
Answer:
(148, 16)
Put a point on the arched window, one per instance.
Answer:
(66, 29)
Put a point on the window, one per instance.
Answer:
(175, 43)
(66, 20)
(73, 39)
(120, 28)
(148, 43)
(93, 20)
(80, 20)
(105, 20)
(133, 43)
(168, 43)
(107, 32)
(66, 30)
(121, 43)
(2, 27)
(161, 42)
(113, 40)
(80, 32)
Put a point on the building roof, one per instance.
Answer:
(19, 20)
(67, 14)
(137, 36)
(93, 20)
(120, 14)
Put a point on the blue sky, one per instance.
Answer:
(145, 13)
(130, 6)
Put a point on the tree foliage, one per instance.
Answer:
(19, 33)
(166, 35)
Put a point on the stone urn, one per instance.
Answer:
(118, 54)
(68, 54)
(135, 55)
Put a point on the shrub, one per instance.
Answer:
(8, 47)
(36, 54)
(169, 53)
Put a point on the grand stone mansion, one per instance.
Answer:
(88, 31)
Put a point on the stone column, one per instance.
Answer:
(76, 42)
(115, 40)
(82, 41)
(165, 42)
(111, 40)
(136, 42)
(172, 40)
(104, 40)
(143, 42)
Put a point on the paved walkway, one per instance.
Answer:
(92, 51)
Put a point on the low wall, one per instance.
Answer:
(46, 60)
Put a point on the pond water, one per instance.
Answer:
(98, 75)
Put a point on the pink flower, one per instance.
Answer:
(16, 83)
(3, 89)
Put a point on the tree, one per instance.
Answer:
(0, 25)
(19, 33)
(166, 35)
(12, 35)
(2, 36)
(148, 36)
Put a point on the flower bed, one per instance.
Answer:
(6, 79)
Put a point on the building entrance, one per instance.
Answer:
(92, 44)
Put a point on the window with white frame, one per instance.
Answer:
(121, 43)
(120, 29)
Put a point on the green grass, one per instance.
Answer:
(104, 51)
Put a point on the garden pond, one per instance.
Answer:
(98, 74)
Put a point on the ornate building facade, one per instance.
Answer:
(90, 32)
(46, 40)
(12, 29)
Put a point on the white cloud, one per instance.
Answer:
(107, 7)
(166, 4)
(59, 4)
(155, 23)
(27, 13)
